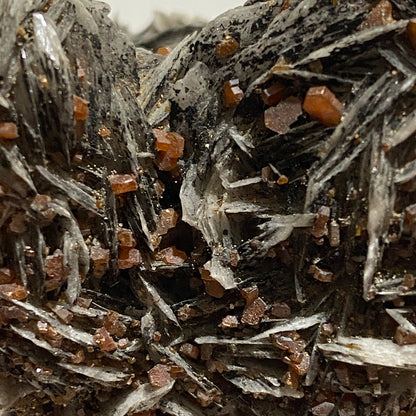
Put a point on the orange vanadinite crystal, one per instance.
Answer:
(103, 339)
(322, 275)
(99, 255)
(250, 294)
(104, 131)
(81, 110)
(273, 94)
(164, 50)
(228, 46)
(411, 32)
(123, 183)
(233, 94)
(189, 350)
(229, 321)
(171, 255)
(212, 287)
(113, 325)
(129, 257)
(13, 291)
(380, 15)
(167, 219)
(254, 312)
(8, 131)
(125, 238)
(321, 104)
(170, 147)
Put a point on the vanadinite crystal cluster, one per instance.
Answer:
(219, 220)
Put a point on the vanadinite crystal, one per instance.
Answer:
(103, 339)
(13, 291)
(212, 287)
(113, 325)
(172, 255)
(321, 104)
(6, 275)
(189, 350)
(170, 147)
(159, 375)
(280, 117)
(129, 257)
(254, 312)
(8, 131)
(122, 183)
(125, 238)
(380, 15)
(164, 50)
(167, 219)
(228, 46)
(321, 274)
(233, 94)
(273, 94)
(288, 341)
(81, 110)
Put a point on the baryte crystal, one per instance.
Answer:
(13, 291)
(6, 275)
(273, 95)
(166, 220)
(129, 257)
(323, 409)
(159, 375)
(172, 255)
(380, 15)
(253, 313)
(227, 47)
(189, 350)
(122, 183)
(113, 325)
(103, 339)
(81, 110)
(321, 104)
(125, 238)
(280, 117)
(233, 94)
(8, 131)
(322, 275)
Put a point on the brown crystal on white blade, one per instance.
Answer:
(103, 339)
(159, 375)
(283, 115)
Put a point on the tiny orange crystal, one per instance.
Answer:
(164, 50)
(81, 110)
(122, 183)
(228, 46)
(321, 104)
(233, 94)
(8, 131)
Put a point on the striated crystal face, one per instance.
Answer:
(233, 94)
(280, 117)
(123, 183)
(8, 131)
(81, 110)
(227, 47)
(321, 104)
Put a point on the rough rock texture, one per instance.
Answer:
(82, 332)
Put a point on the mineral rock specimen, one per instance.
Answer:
(228, 229)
